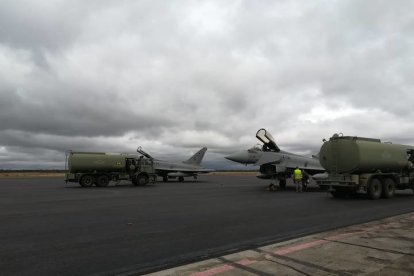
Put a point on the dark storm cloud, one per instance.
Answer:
(175, 76)
(80, 115)
(44, 24)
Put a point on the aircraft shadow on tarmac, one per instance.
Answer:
(312, 189)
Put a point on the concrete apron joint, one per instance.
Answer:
(289, 254)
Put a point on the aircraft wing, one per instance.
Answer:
(181, 173)
(185, 170)
(289, 160)
(269, 158)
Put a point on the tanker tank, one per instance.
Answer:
(357, 164)
(82, 162)
(348, 154)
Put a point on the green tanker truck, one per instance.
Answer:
(94, 168)
(357, 164)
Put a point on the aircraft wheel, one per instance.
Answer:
(165, 178)
(87, 180)
(271, 187)
(142, 180)
(388, 188)
(181, 178)
(375, 188)
(102, 181)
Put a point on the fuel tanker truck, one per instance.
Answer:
(365, 165)
(95, 168)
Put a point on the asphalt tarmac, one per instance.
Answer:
(49, 228)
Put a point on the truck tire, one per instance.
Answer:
(102, 181)
(142, 180)
(87, 180)
(375, 188)
(388, 188)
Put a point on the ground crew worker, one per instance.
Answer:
(297, 178)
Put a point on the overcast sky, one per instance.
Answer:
(174, 76)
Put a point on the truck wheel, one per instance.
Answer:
(375, 188)
(102, 181)
(388, 188)
(142, 180)
(87, 180)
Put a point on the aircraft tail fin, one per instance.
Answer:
(197, 158)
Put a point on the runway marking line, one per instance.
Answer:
(297, 247)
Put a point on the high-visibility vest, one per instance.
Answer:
(297, 174)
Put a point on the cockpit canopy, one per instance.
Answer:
(140, 151)
(256, 147)
(268, 141)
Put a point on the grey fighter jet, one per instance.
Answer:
(188, 168)
(275, 164)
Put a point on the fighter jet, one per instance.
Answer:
(275, 164)
(188, 168)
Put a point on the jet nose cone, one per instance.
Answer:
(243, 157)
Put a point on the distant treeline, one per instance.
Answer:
(236, 170)
(32, 171)
(62, 171)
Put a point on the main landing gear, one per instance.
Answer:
(272, 186)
